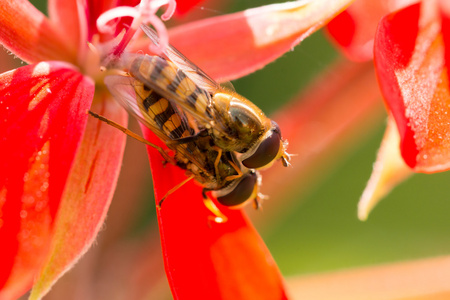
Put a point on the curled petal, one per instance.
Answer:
(231, 46)
(43, 116)
(87, 195)
(27, 33)
(354, 29)
(203, 259)
(388, 171)
(413, 78)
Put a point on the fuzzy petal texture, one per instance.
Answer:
(28, 33)
(234, 45)
(388, 171)
(43, 116)
(203, 259)
(87, 196)
(354, 29)
(413, 78)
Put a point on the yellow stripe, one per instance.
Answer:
(159, 107)
(186, 87)
(186, 133)
(172, 123)
(200, 105)
(146, 68)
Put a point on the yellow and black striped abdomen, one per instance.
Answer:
(162, 114)
(171, 83)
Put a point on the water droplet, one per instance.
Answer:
(39, 206)
(23, 214)
(28, 199)
(44, 186)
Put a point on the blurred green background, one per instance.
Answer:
(321, 231)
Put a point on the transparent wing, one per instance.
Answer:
(172, 83)
(159, 115)
(189, 68)
(166, 121)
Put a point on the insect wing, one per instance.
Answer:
(154, 113)
(196, 74)
(170, 82)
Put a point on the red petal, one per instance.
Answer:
(413, 79)
(186, 5)
(43, 112)
(205, 260)
(87, 195)
(231, 46)
(27, 33)
(354, 29)
(64, 15)
(445, 15)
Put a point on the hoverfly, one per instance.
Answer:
(234, 123)
(218, 171)
(218, 136)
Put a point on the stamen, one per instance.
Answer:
(145, 12)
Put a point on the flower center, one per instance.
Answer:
(102, 55)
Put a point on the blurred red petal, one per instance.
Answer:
(424, 279)
(231, 46)
(87, 195)
(205, 260)
(234, 45)
(186, 5)
(445, 15)
(318, 134)
(43, 112)
(409, 59)
(27, 33)
(354, 29)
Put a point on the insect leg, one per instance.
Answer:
(174, 189)
(216, 162)
(133, 135)
(238, 170)
(218, 217)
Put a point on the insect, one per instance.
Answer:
(234, 123)
(218, 171)
(217, 136)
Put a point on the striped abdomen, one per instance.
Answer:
(172, 83)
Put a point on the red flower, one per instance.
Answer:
(410, 48)
(59, 167)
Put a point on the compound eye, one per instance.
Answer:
(267, 150)
(242, 192)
